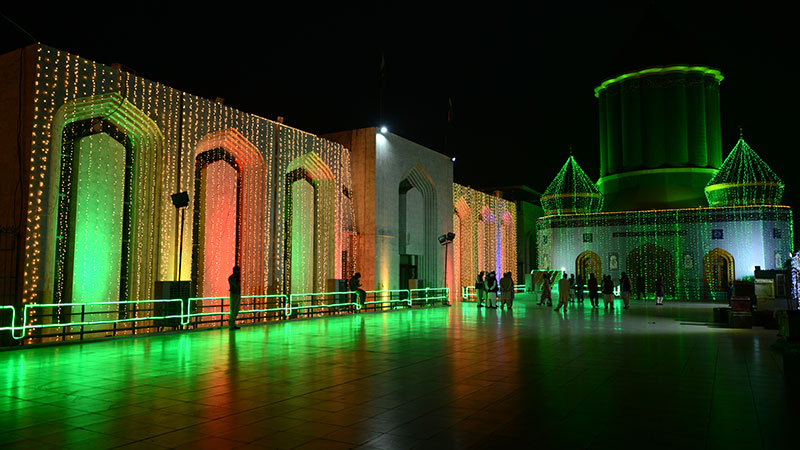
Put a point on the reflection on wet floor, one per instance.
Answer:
(442, 377)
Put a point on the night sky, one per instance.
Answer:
(520, 76)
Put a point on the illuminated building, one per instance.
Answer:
(107, 150)
(660, 168)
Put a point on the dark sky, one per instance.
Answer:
(520, 75)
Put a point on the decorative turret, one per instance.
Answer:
(571, 192)
(744, 179)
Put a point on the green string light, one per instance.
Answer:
(743, 180)
(572, 192)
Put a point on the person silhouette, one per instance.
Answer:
(235, 283)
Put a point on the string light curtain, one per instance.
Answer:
(483, 242)
(744, 179)
(571, 192)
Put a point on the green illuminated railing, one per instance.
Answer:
(198, 303)
(468, 292)
(386, 297)
(18, 332)
(314, 298)
(178, 313)
(430, 295)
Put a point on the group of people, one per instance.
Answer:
(487, 287)
(568, 286)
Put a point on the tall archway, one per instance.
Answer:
(216, 222)
(216, 150)
(103, 245)
(463, 245)
(508, 245)
(317, 258)
(718, 270)
(487, 238)
(417, 179)
(648, 261)
(587, 263)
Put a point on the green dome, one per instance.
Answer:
(744, 179)
(571, 192)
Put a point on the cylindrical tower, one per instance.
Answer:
(660, 138)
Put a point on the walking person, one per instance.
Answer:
(625, 287)
(579, 285)
(593, 297)
(235, 289)
(546, 291)
(506, 290)
(563, 293)
(608, 292)
(660, 291)
(491, 291)
(480, 289)
(640, 287)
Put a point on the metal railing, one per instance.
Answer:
(468, 293)
(75, 321)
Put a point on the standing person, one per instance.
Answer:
(625, 287)
(563, 293)
(480, 291)
(660, 291)
(491, 291)
(546, 288)
(506, 290)
(639, 287)
(579, 284)
(571, 288)
(235, 289)
(355, 286)
(513, 293)
(608, 292)
(593, 298)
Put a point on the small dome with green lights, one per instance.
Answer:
(571, 192)
(744, 179)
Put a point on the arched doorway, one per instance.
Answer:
(462, 245)
(229, 178)
(587, 263)
(102, 246)
(310, 233)
(216, 221)
(646, 262)
(718, 270)
(487, 238)
(418, 246)
(508, 246)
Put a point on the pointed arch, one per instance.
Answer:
(143, 143)
(507, 247)
(252, 237)
(310, 167)
(417, 177)
(718, 270)
(487, 239)
(463, 245)
(587, 263)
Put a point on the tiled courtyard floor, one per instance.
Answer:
(437, 378)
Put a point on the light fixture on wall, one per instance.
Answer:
(384, 130)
